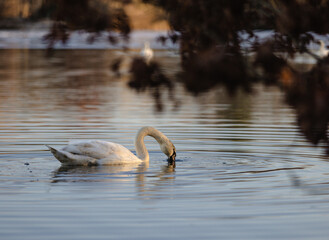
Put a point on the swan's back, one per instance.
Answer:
(95, 148)
(94, 152)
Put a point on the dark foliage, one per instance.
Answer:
(91, 16)
(149, 76)
(309, 94)
(216, 66)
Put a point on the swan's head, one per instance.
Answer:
(168, 148)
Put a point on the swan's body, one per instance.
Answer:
(97, 152)
(322, 51)
(147, 52)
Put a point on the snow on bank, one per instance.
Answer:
(33, 39)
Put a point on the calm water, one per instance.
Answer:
(243, 170)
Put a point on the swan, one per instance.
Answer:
(97, 152)
(322, 51)
(147, 52)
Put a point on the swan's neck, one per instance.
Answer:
(141, 150)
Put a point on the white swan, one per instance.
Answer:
(322, 51)
(97, 152)
(147, 52)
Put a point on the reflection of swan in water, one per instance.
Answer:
(96, 152)
(149, 185)
(147, 52)
(322, 51)
(109, 173)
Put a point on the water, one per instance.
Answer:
(243, 170)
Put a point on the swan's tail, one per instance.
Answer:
(72, 159)
(60, 156)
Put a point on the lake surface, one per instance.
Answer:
(243, 170)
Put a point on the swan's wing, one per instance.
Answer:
(96, 149)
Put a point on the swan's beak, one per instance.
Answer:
(172, 158)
